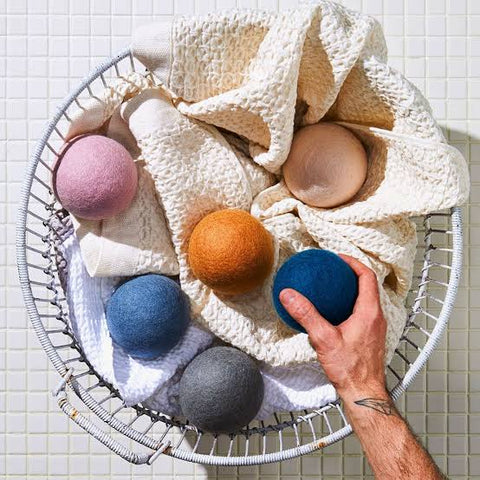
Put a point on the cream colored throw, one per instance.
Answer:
(214, 134)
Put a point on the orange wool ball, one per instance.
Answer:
(231, 252)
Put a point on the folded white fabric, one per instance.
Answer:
(155, 383)
(290, 389)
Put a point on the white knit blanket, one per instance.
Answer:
(258, 76)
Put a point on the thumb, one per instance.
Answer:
(304, 312)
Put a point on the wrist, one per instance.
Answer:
(366, 404)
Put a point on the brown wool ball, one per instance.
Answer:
(326, 166)
(231, 252)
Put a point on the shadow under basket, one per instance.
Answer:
(101, 411)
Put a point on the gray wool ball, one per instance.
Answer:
(221, 390)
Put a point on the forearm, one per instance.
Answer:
(391, 448)
(352, 355)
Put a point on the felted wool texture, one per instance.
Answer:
(322, 277)
(230, 251)
(152, 383)
(135, 379)
(148, 315)
(95, 177)
(221, 390)
(326, 166)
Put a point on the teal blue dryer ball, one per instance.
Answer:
(221, 390)
(324, 278)
(148, 315)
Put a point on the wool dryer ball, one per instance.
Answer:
(231, 252)
(221, 390)
(95, 177)
(326, 166)
(148, 315)
(324, 278)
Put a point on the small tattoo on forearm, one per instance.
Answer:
(382, 406)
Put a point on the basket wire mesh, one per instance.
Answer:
(125, 429)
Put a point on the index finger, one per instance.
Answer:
(368, 295)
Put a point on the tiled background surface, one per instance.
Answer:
(46, 47)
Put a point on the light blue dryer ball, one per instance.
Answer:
(148, 315)
(324, 278)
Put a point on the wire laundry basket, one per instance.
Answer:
(125, 430)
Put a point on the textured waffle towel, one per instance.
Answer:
(258, 76)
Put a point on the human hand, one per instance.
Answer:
(351, 354)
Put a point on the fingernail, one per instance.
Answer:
(287, 296)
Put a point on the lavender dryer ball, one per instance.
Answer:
(95, 177)
(324, 278)
(221, 390)
(148, 315)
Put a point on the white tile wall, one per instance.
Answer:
(46, 46)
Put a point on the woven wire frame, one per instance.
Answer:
(125, 429)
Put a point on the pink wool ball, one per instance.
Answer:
(95, 177)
